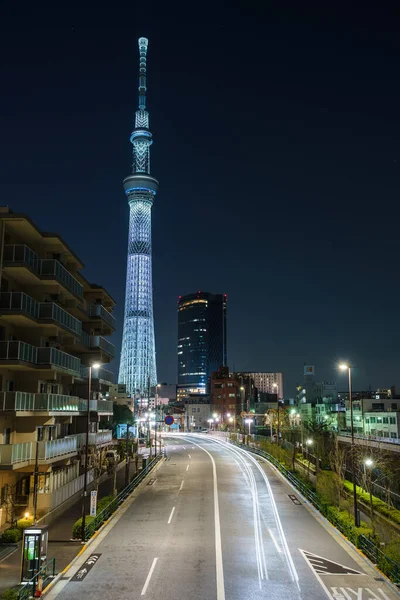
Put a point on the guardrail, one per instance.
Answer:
(114, 504)
(387, 565)
(29, 588)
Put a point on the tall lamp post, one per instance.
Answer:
(275, 386)
(345, 367)
(94, 366)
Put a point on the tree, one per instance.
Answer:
(338, 466)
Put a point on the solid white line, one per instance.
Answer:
(180, 489)
(146, 583)
(171, 515)
(184, 447)
(274, 540)
(218, 544)
(189, 456)
(317, 576)
(187, 468)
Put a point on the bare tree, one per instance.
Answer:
(338, 466)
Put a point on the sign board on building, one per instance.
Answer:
(93, 503)
(308, 370)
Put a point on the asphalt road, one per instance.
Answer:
(214, 522)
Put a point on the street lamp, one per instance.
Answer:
(368, 463)
(249, 421)
(309, 443)
(210, 422)
(345, 367)
(93, 366)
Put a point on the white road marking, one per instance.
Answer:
(146, 583)
(274, 540)
(219, 566)
(171, 515)
(184, 447)
(189, 456)
(317, 576)
(180, 489)
(187, 468)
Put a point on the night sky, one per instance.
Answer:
(277, 137)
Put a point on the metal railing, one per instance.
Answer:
(11, 454)
(17, 350)
(28, 401)
(387, 565)
(50, 267)
(99, 519)
(47, 267)
(101, 373)
(100, 437)
(50, 310)
(53, 356)
(28, 589)
(18, 301)
(370, 438)
(59, 447)
(97, 341)
(97, 310)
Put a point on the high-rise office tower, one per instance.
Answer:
(138, 358)
(201, 340)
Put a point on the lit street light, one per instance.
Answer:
(309, 443)
(249, 422)
(345, 367)
(368, 463)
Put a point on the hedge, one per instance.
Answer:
(379, 505)
(11, 535)
(345, 523)
(77, 526)
(25, 523)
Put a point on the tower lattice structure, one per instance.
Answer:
(138, 358)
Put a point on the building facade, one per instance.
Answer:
(138, 355)
(201, 340)
(232, 393)
(268, 383)
(197, 416)
(53, 327)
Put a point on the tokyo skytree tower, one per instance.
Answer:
(138, 357)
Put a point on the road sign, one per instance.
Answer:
(169, 420)
(93, 503)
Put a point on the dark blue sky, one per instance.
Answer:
(277, 149)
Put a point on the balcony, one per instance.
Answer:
(97, 341)
(58, 359)
(53, 312)
(18, 351)
(100, 406)
(101, 437)
(14, 454)
(47, 268)
(30, 402)
(18, 303)
(101, 374)
(60, 448)
(97, 310)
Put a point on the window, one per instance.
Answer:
(393, 435)
(392, 420)
(385, 420)
(394, 406)
(385, 434)
(231, 395)
(9, 386)
(373, 420)
(367, 421)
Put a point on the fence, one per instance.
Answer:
(114, 504)
(388, 566)
(29, 588)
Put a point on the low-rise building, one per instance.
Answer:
(197, 416)
(53, 328)
(382, 424)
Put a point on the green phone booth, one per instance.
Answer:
(34, 551)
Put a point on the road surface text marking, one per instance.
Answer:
(187, 468)
(189, 456)
(146, 583)
(86, 567)
(347, 593)
(180, 489)
(171, 515)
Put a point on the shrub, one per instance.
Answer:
(345, 523)
(103, 502)
(326, 487)
(9, 595)
(11, 535)
(77, 527)
(379, 505)
(25, 523)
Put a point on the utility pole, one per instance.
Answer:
(127, 456)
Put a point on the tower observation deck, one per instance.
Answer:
(138, 358)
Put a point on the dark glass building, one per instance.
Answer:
(201, 340)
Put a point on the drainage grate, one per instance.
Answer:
(294, 499)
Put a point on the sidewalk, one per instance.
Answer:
(60, 531)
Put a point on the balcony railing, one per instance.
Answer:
(101, 437)
(97, 341)
(57, 448)
(97, 310)
(47, 267)
(18, 302)
(29, 402)
(11, 454)
(52, 356)
(49, 310)
(16, 350)
(105, 406)
(101, 373)
(85, 339)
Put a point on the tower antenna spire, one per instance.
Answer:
(143, 44)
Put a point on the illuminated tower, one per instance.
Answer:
(138, 358)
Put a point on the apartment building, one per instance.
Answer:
(53, 328)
